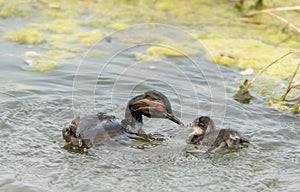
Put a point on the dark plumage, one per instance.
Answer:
(99, 128)
(206, 134)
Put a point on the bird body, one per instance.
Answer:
(206, 134)
(101, 128)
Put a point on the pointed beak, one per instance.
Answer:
(191, 125)
(174, 119)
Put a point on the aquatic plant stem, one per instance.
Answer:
(270, 12)
(278, 9)
(289, 87)
(243, 95)
(297, 106)
(289, 24)
(264, 69)
(295, 86)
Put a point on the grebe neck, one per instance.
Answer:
(133, 121)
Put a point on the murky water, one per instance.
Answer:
(35, 107)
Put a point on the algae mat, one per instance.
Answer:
(60, 31)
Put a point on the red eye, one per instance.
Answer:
(160, 108)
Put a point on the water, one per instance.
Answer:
(35, 107)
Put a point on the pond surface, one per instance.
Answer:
(36, 106)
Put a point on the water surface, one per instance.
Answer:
(36, 106)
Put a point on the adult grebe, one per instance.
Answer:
(206, 134)
(96, 129)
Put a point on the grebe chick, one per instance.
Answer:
(206, 134)
(99, 128)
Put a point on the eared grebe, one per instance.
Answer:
(206, 134)
(96, 129)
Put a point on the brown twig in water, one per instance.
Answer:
(296, 85)
(289, 87)
(293, 99)
(278, 9)
(289, 24)
(270, 12)
(264, 69)
(243, 95)
(297, 106)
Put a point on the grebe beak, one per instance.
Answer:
(174, 119)
(191, 125)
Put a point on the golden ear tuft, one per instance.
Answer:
(147, 108)
(143, 101)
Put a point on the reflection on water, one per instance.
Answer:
(34, 156)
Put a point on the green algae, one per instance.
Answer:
(8, 11)
(247, 53)
(59, 54)
(59, 38)
(69, 27)
(42, 62)
(42, 66)
(275, 103)
(167, 5)
(118, 26)
(276, 98)
(170, 52)
(146, 57)
(66, 42)
(32, 55)
(57, 26)
(12, 8)
(89, 38)
(57, 9)
(223, 59)
(25, 36)
(177, 12)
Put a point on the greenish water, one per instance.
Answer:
(36, 106)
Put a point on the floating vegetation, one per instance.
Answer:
(241, 4)
(146, 57)
(42, 66)
(25, 36)
(156, 50)
(57, 26)
(249, 37)
(297, 107)
(118, 26)
(60, 54)
(13, 8)
(291, 84)
(243, 94)
(247, 53)
(38, 62)
(90, 37)
(271, 13)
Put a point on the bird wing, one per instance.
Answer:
(94, 131)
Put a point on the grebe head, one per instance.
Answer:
(152, 104)
(233, 139)
(69, 132)
(202, 124)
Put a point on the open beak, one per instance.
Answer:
(191, 125)
(174, 119)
